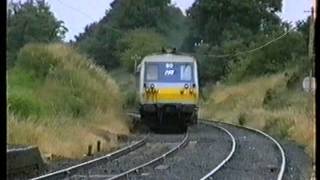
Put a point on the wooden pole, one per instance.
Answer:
(312, 60)
(98, 146)
(89, 150)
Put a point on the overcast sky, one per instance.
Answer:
(78, 13)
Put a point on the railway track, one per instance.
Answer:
(210, 150)
(256, 157)
(67, 172)
(253, 153)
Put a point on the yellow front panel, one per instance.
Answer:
(172, 95)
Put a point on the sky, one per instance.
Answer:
(77, 14)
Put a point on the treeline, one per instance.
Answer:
(132, 29)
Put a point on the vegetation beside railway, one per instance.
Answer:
(62, 102)
(268, 103)
(252, 64)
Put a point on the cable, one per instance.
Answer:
(81, 12)
(85, 14)
(252, 50)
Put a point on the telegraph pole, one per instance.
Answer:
(311, 40)
(312, 60)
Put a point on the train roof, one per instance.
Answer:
(169, 57)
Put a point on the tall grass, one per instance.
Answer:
(268, 104)
(57, 99)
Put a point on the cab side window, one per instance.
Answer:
(186, 72)
(152, 72)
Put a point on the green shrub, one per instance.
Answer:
(242, 119)
(57, 98)
(131, 99)
(24, 105)
(61, 81)
(36, 58)
(138, 43)
(268, 96)
(278, 127)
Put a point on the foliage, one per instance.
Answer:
(220, 20)
(100, 39)
(267, 104)
(54, 87)
(274, 58)
(303, 26)
(31, 22)
(220, 29)
(138, 43)
(101, 46)
(56, 74)
(210, 68)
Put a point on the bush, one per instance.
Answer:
(24, 105)
(278, 127)
(53, 89)
(271, 59)
(267, 104)
(268, 97)
(242, 119)
(37, 59)
(138, 43)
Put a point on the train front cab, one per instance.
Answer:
(165, 102)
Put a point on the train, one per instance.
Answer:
(168, 90)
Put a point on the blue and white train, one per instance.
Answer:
(168, 90)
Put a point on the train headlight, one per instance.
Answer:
(193, 85)
(186, 86)
(152, 86)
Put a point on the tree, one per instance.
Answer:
(99, 39)
(290, 51)
(304, 27)
(228, 27)
(31, 22)
(138, 43)
(215, 21)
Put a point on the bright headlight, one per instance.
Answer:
(186, 86)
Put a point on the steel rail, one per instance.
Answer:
(283, 157)
(229, 155)
(73, 169)
(155, 160)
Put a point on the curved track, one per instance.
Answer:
(216, 151)
(257, 156)
(253, 155)
(227, 158)
(153, 161)
(156, 149)
(67, 172)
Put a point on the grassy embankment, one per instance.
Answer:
(268, 103)
(62, 102)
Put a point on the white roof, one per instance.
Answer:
(169, 58)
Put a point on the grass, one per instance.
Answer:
(61, 101)
(268, 104)
(128, 86)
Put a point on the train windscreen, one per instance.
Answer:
(169, 72)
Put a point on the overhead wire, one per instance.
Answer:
(75, 9)
(252, 50)
(84, 14)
